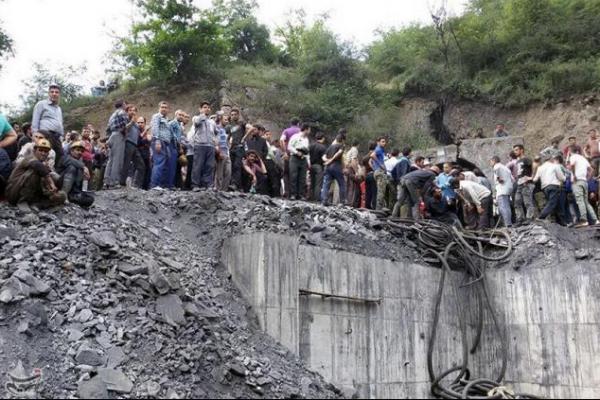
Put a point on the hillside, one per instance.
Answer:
(417, 121)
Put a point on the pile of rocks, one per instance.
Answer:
(129, 298)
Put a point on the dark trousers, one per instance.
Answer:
(273, 178)
(553, 203)
(173, 162)
(484, 218)
(237, 155)
(54, 139)
(331, 173)
(135, 162)
(298, 170)
(316, 182)
(188, 176)
(5, 165)
(371, 191)
(286, 178)
(204, 166)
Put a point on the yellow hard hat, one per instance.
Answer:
(78, 144)
(43, 144)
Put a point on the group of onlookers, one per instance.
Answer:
(40, 163)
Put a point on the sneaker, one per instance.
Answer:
(582, 225)
(196, 189)
(158, 188)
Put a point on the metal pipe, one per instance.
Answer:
(304, 292)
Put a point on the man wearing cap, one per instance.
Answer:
(31, 181)
(552, 150)
(48, 119)
(8, 137)
(73, 174)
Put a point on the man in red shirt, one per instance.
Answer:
(592, 150)
(572, 143)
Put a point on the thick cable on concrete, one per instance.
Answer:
(454, 249)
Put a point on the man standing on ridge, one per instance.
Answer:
(236, 130)
(299, 154)
(205, 143)
(592, 151)
(285, 138)
(118, 124)
(504, 188)
(161, 147)
(380, 172)
(48, 119)
(524, 205)
(176, 135)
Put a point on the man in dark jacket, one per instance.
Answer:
(31, 181)
(411, 186)
(72, 176)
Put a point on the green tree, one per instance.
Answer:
(175, 41)
(6, 45)
(249, 40)
(36, 87)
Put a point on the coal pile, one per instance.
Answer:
(129, 299)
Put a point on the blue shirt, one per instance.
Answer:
(444, 181)
(159, 126)
(133, 134)
(379, 162)
(176, 131)
(223, 142)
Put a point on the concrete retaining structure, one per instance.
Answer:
(476, 151)
(551, 315)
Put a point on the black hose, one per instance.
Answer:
(461, 250)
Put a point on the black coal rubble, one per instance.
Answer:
(128, 307)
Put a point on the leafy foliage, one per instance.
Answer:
(175, 41)
(36, 88)
(510, 52)
(6, 45)
(250, 41)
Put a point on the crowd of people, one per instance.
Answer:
(42, 165)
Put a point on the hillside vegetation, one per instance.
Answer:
(503, 53)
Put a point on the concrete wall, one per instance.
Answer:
(477, 151)
(552, 318)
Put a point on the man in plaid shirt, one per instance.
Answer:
(118, 124)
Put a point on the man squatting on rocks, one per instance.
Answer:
(223, 152)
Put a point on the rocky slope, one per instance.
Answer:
(129, 297)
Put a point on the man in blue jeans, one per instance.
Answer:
(161, 147)
(552, 178)
(332, 161)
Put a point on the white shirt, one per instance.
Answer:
(390, 163)
(550, 174)
(298, 142)
(474, 192)
(501, 172)
(580, 167)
